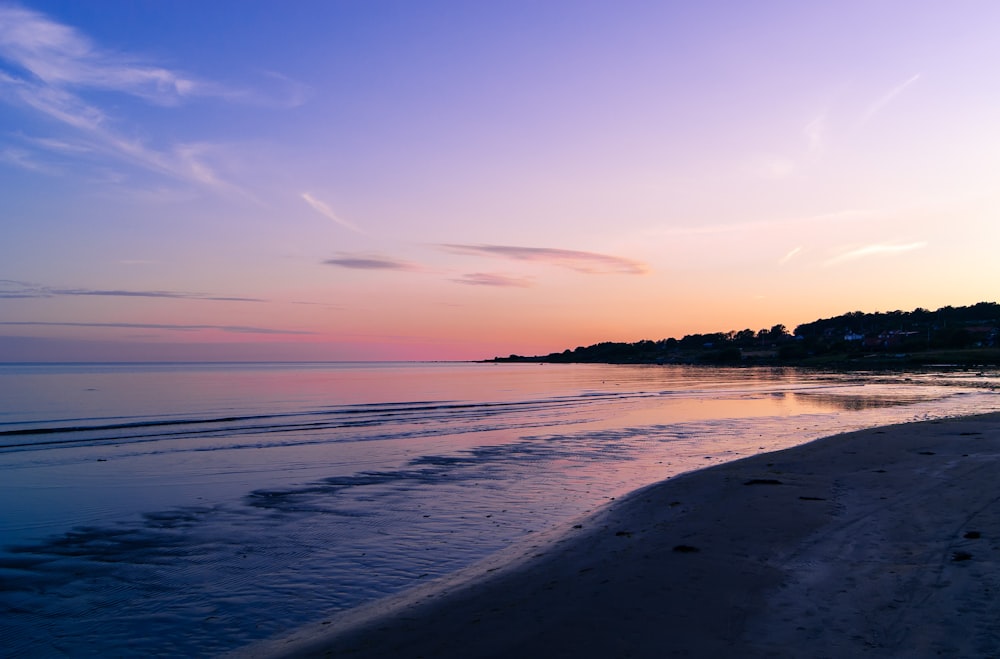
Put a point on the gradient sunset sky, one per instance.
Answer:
(349, 180)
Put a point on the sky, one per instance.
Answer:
(384, 180)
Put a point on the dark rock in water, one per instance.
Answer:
(686, 549)
(763, 481)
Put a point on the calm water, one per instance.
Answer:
(190, 509)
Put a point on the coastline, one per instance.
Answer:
(881, 542)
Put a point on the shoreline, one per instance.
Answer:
(882, 542)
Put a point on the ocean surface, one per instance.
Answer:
(189, 509)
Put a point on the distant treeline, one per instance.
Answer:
(955, 335)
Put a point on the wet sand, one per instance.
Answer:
(883, 542)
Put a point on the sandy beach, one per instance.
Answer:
(883, 542)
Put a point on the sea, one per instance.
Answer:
(191, 509)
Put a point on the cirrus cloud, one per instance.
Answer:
(585, 262)
(54, 70)
(886, 98)
(13, 289)
(493, 279)
(233, 329)
(790, 255)
(875, 250)
(327, 212)
(371, 262)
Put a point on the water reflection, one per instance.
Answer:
(852, 402)
(244, 501)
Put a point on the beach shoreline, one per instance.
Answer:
(881, 542)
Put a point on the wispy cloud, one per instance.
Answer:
(875, 250)
(327, 212)
(886, 98)
(60, 56)
(233, 329)
(371, 262)
(585, 262)
(59, 146)
(493, 279)
(24, 160)
(49, 69)
(790, 255)
(12, 289)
